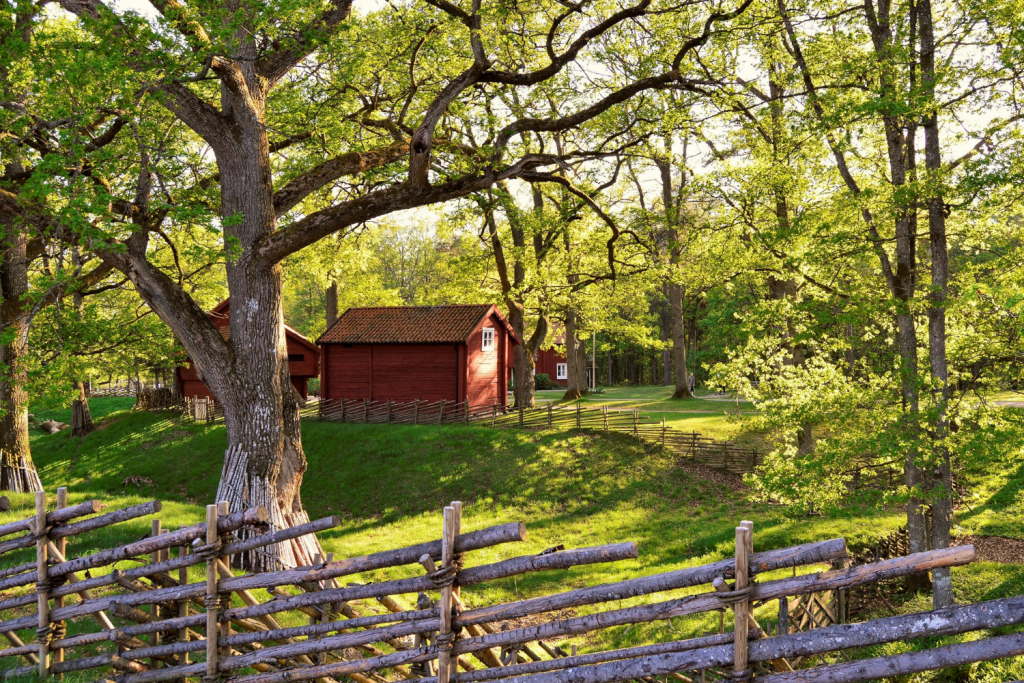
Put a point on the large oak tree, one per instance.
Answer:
(319, 121)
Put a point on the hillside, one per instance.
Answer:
(390, 482)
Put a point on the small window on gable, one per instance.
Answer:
(561, 371)
(296, 357)
(487, 342)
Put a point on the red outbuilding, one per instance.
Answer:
(402, 353)
(303, 358)
(552, 362)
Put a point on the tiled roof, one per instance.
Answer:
(406, 324)
(221, 316)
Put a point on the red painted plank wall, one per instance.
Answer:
(546, 363)
(400, 372)
(486, 369)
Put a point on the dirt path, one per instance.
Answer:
(994, 548)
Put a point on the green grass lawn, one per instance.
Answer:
(712, 417)
(389, 483)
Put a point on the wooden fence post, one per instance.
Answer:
(467, 411)
(783, 616)
(440, 415)
(366, 410)
(549, 415)
(604, 409)
(741, 609)
(663, 434)
(62, 544)
(415, 411)
(579, 415)
(444, 633)
(636, 423)
(840, 595)
(223, 508)
(42, 593)
(520, 416)
(212, 599)
(494, 413)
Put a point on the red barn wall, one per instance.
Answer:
(547, 360)
(391, 372)
(486, 372)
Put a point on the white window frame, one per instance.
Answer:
(487, 339)
(561, 371)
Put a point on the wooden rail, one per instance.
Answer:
(143, 621)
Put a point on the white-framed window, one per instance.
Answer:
(561, 371)
(487, 340)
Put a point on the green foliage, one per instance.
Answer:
(542, 381)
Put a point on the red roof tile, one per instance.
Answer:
(407, 324)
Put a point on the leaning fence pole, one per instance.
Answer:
(183, 605)
(154, 608)
(444, 633)
(42, 594)
(742, 608)
(62, 544)
(212, 599)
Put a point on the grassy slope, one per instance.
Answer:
(717, 418)
(389, 484)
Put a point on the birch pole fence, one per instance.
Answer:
(134, 617)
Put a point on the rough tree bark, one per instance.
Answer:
(575, 360)
(941, 476)
(81, 417)
(331, 299)
(672, 204)
(17, 471)
(666, 331)
(513, 291)
(901, 280)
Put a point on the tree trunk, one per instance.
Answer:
(331, 296)
(81, 418)
(666, 333)
(682, 378)
(574, 387)
(673, 219)
(247, 373)
(17, 471)
(941, 488)
(523, 391)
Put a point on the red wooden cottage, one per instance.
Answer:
(402, 353)
(552, 362)
(303, 358)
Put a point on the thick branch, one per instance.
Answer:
(283, 59)
(346, 164)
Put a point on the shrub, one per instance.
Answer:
(543, 381)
